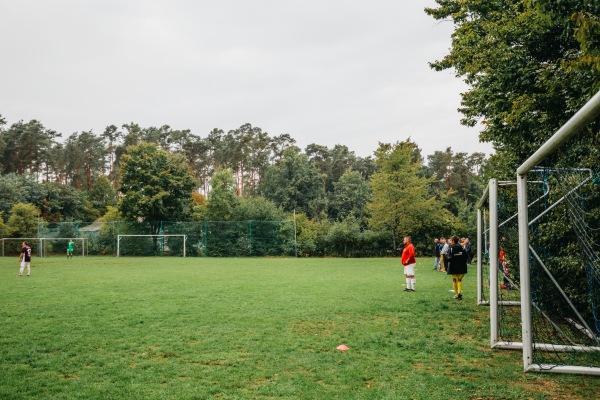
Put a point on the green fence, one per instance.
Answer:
(203, 239)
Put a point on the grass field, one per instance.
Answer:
(174, 328)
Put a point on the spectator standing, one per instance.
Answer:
(467, 249)
(443, 253)
(409, 261)
(436, 254)
(457, 266)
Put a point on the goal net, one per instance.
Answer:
(499, 271)
(13, 246)
(151, 245)
(559, 251)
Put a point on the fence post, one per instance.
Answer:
(205, 238)
(250, 232)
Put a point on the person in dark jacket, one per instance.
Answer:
(467, 248)
(436, 254)
(457, 266)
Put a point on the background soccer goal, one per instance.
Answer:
(13, 246)
(498, 272)
(58, 246)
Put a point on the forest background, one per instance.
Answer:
(530, 65)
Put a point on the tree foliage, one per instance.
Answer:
(222, 202)
(23, 220)
(530, 66)
(240, 174)
(401, 203)
(295, 184)
(156, 185)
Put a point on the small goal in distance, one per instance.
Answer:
(161, 241)
(59, 246)
(40, 246)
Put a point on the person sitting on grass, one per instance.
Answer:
(457, 266)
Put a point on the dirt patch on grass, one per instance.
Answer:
(310, 328)
(547, 387)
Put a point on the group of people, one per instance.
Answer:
(451, 256)
(457, 258)
(25, 256)
(440, 252)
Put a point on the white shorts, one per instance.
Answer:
(409, 269)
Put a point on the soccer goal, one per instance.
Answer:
(498, 280)
(13, 246)
(559, 251)
(58, 246)
(151, 245)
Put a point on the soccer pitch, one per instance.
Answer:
(252, 328)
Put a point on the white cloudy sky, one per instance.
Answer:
(350, 72)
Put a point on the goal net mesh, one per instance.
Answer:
(564, 234)
(155, 245)
(509, 295)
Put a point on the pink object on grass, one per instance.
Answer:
(342, 347)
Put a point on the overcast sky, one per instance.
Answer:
(352, 72)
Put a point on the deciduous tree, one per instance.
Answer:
(156, 185)
(401, 203)
(23, 220)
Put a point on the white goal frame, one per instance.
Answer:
(41, 243)
(43, 240)
(23, 240)
(490, 195)
(165, 235)
(587, 114)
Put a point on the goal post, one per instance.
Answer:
(163, 245)
(568, 316)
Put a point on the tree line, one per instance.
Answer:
(222, 176)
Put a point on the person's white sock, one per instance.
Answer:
(413, 283)
(408, 283)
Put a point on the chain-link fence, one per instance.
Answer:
(203, 239)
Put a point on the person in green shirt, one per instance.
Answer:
(70, 248)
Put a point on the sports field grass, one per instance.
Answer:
(174, 328)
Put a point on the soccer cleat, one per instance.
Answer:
(459, 296)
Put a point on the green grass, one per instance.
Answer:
(173, 328)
